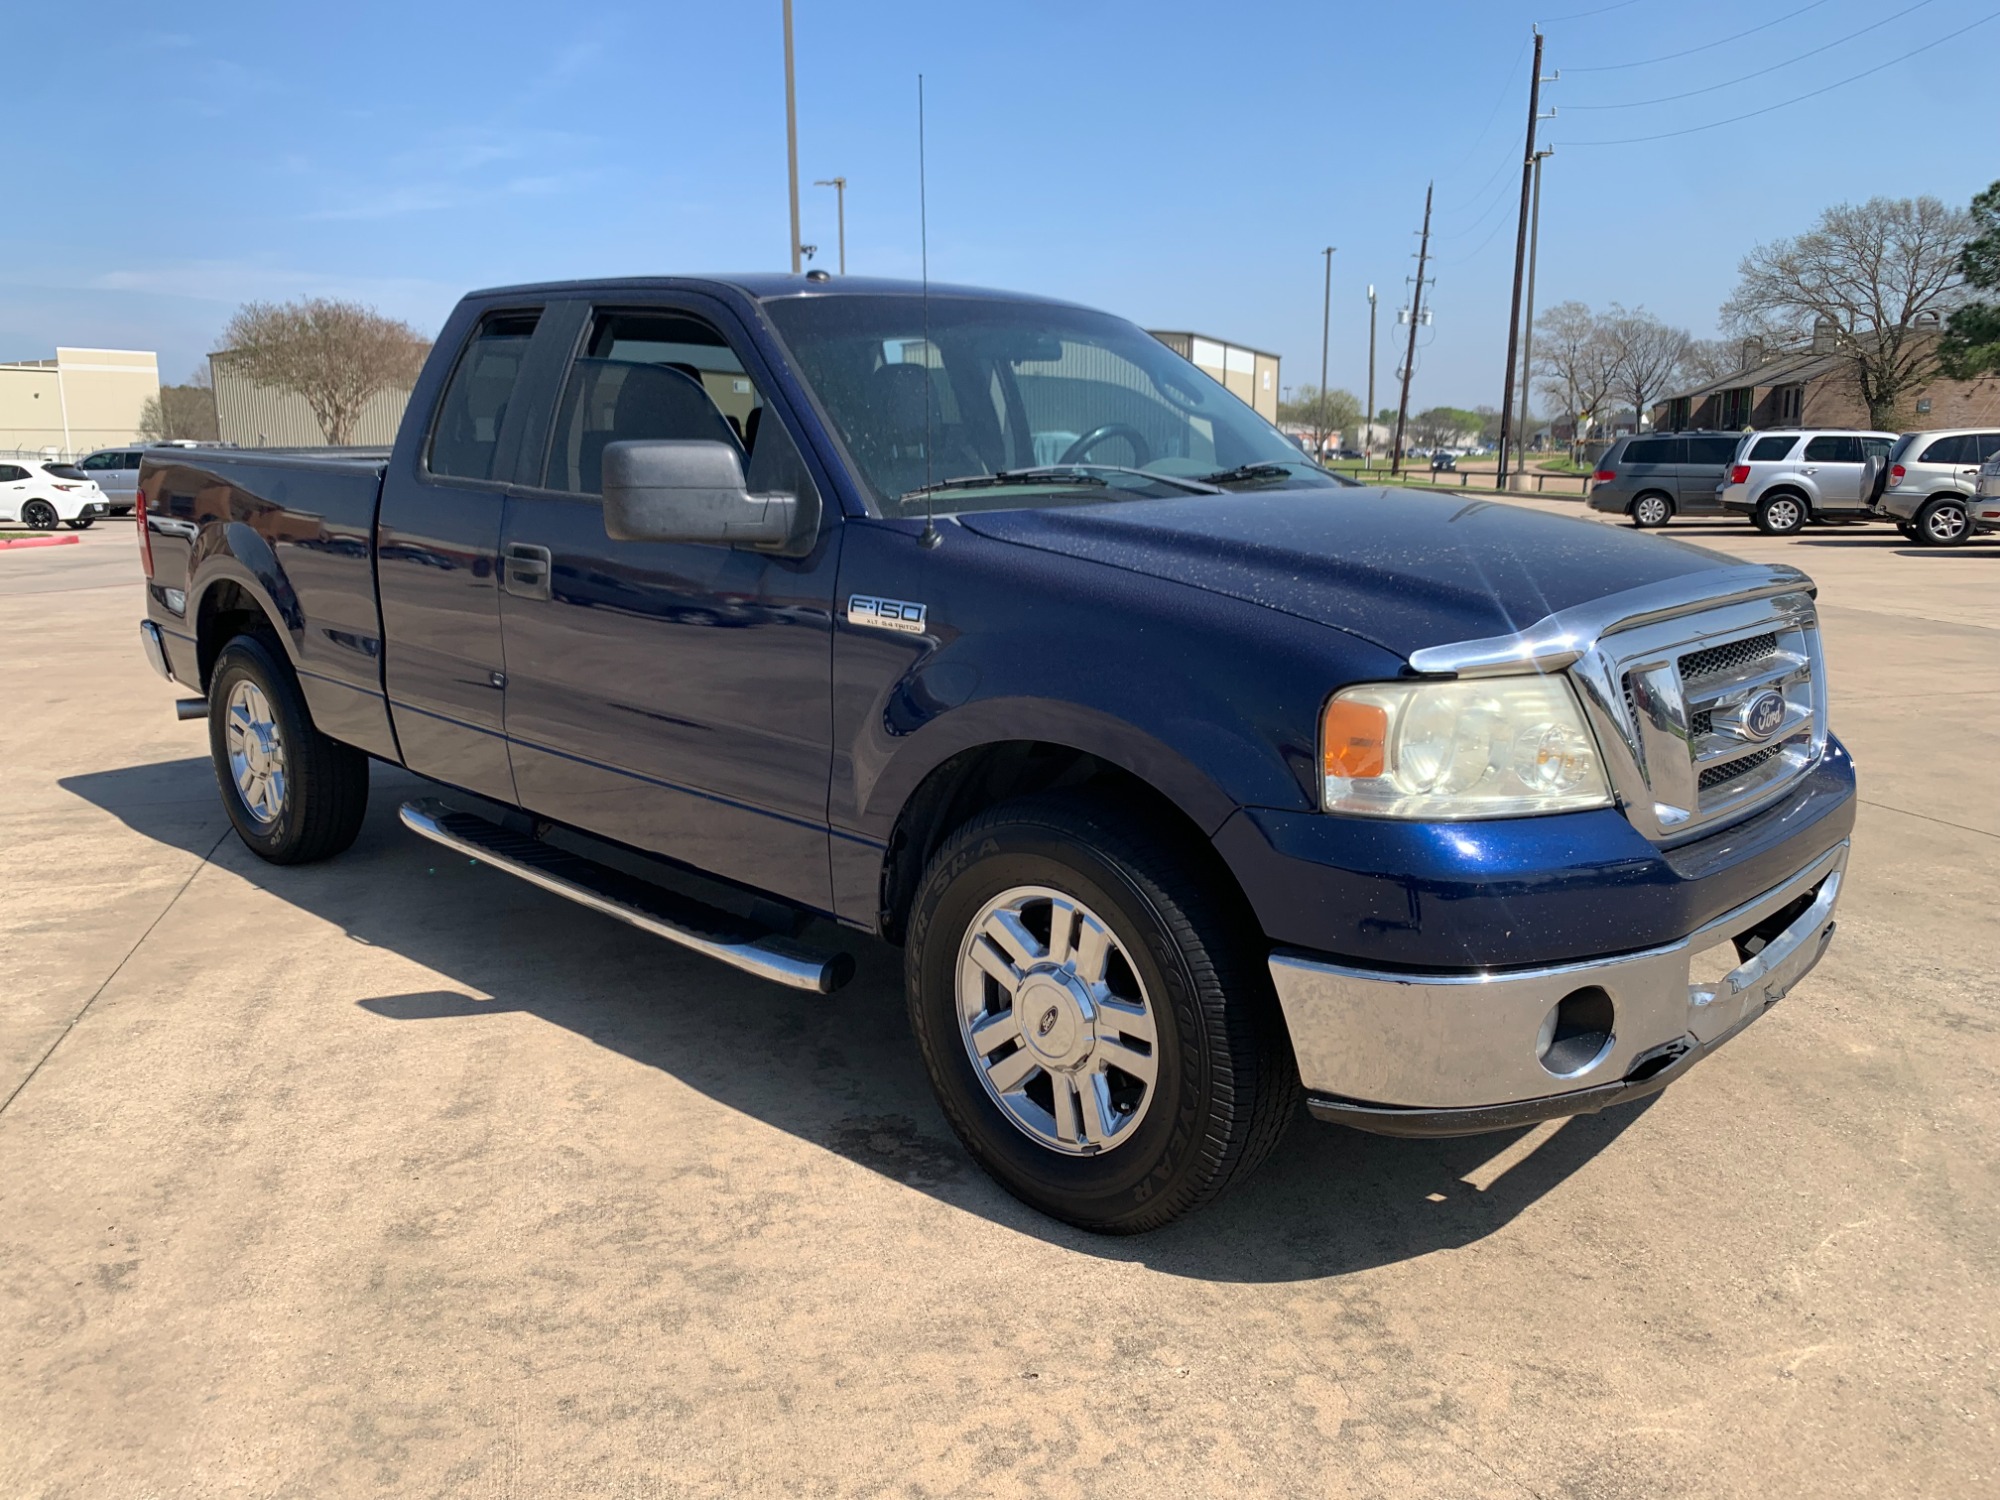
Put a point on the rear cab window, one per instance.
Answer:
(465, 436)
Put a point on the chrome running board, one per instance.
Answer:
(663, 913)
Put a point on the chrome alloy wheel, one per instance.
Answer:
(256, 753)
(1945, 524)
(1784, 514)
(1650, 510)
(1056, 1020)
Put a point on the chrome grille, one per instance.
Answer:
(1678, 692)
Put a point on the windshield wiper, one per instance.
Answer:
(1075, 474)
(1244, 472)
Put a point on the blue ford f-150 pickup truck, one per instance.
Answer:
(1189, 777)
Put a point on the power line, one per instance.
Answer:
(1584, 15)
(1647, 62)
(1664, 135)
(1494, 113)
(1774, 67)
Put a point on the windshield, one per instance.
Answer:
(1029, 405)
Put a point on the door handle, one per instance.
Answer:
(524, 570)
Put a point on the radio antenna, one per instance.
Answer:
(930, 537)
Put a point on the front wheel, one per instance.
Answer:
(38, 515)
(1096, 1019)
(1780, 515)
(1943, 523)
(293, 794)
(1649, 511)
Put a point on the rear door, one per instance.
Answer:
(437, 551)
(673, 697)
(1652, 464)
(1833, 462)
(1703, 470)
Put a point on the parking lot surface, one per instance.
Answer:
(393, 1175)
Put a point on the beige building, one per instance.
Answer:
(80, 400)
(256, 416)
(1251, 375)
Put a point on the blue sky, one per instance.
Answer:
(1178, 163)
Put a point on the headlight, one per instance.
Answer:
(1491, 747)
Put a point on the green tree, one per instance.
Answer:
(1971, 343)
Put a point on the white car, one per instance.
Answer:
(41, 495)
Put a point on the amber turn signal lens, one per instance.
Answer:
(1353, 736)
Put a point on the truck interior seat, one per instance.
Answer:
(654, 401)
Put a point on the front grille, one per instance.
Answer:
(1716, 660)
(1726, 771)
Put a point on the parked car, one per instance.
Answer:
(116, 472)
(1442, 462)
(1190, 777)
(1781, 480)
(1933, 477)
(1654, 477)
(42, 495)
(1986, 500)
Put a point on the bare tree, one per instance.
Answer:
(1574, 364)
(336, 355)
(1646, 356)
(1870, 269)
(181, 411)
(1710, 360)
(1323, 411)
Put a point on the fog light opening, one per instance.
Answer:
(1576, 1034)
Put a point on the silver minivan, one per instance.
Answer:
(1933, 477)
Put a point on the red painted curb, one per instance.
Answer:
(39, 541)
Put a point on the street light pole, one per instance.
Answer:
(1368, 417)
(792, 135)
(839, 186)
(1325, 323)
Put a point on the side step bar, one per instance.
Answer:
(663, 913)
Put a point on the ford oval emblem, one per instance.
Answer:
(1764, 714)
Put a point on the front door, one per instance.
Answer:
(677, 698)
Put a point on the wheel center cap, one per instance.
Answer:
(1055, 1020)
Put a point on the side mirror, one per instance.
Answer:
(672, 491)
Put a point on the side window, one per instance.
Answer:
(465, 438)
(1652, 451)
(1711, 452)
(129, 460)
(1985, 445)
(97, 461)
(1770, 449)
(664, 375)
(11, 473)
(1830, 449)
(1946, 450)
(1876, 447)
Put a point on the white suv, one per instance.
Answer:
(41, 495)
(1781, 480)
(1932, 477)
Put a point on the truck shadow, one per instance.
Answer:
(842, 1071)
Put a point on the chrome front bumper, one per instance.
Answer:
(1445, 1054)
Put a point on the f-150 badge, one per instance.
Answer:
(885, 614)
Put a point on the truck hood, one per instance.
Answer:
(1403, 569)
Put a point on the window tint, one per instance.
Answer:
(649, 375)
(65, 471)
(466, 437)
(1945, 450)
(1767, 449)
(9, 473)
(98, 461)
(1875, 447)
(129, 460)
(1830, 449)
(1985, 445)
(1711, 452)
(1652, 451)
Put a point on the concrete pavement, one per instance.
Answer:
(394, 1176)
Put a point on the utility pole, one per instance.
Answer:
(1368, 421)
(1528, 323)
(839, 186)
(1416, 317)
(1325, 322)
(1520, 256)
(792, 134)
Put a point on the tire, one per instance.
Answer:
(38, 515)
(1908, 528)
(83, 523)
(1783, 514)
(1651, 510)
(1943, 523)
(1175, 957)
(293, 795)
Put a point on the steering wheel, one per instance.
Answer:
(1142, 452)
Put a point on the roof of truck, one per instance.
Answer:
(766, 285)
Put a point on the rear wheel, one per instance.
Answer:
(1098, 1023)
(1943, 523)
(293, 794)
(83, 523)
(38, 515)
(1652, 509)
(1779, 515)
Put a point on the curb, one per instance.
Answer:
(38, 541)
